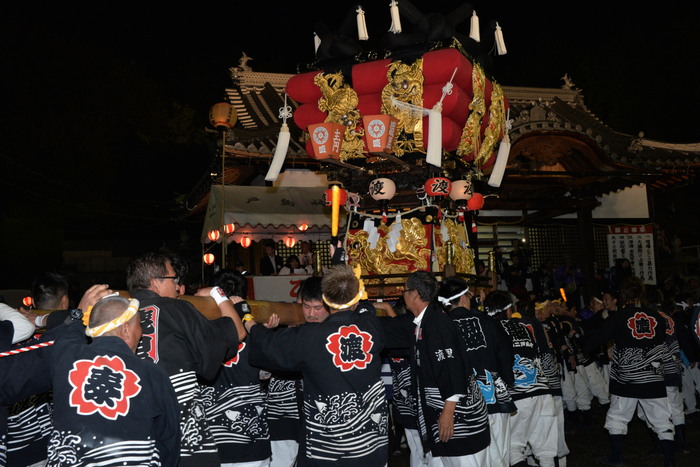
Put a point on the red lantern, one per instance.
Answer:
(223, 116)
(214, 235)
(328, 197)
(326, 139)
(438, 186)
(208, 258)
(379, 133)
(303, 227)
(289, 242)
(245, 242)
(476, 202)
(28, 301)
(229, 228)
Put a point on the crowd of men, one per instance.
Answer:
(478, 378)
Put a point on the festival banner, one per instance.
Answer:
(636, 243)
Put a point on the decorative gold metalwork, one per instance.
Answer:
(471, 133)
(411, 251)
(405, 86)
(340, 101)
(497, 121)
(463, 258)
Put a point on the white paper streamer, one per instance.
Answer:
(474, 32)
(395, 17)
(361, 25)
(500, 43)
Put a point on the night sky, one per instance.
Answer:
(104, 112)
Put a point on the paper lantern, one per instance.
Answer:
(476, 202)
(382, 189)
(461, 190)
(223, 116)
(438, 186)
(289, 242)
(328, 194)
(208, 258)
(379, 133)
(214, 235)
(229, 228)
(326, 139)
(303, 227)
(245, 242)
(27, 301)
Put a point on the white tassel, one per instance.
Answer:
(434, 151)
(361, 25)
(280, 154)
(500, 43)
(499, 168)
(395, 17)
(317, 42)
(282, 144)
(474, 32)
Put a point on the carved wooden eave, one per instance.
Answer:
(562, 156)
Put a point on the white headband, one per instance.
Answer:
(447, 301)
(496, 311)
(129, 313)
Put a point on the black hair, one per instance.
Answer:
(310, 289)
(424, 283)
(232, 282)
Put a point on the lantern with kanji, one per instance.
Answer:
(460, 193)
(379, 133)
(223, 116)
(326, 139)
(328, 196)
(382, 190)
(438, 187)
(208, 258)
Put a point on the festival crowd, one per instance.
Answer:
(463, 375)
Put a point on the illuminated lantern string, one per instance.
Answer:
(289, 242)
(229, 228)
(245, 242)
(28, 301)
(214, 235)
(208, 258)
(303, 227)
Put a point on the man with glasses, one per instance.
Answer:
(450, 408)
(177, 337)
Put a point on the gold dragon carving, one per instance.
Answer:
(340, 101)
(405, 85)
(411, 253)
(497, 120)
(469, 141)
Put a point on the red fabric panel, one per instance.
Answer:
(302, 88)
(451, 132)
(438, 66)
(370, 77)
(369, 104)
(308, 114)
(454, 106)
